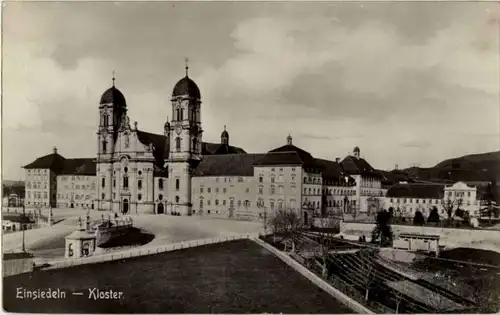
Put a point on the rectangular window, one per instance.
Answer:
(114, 182)
(224, 190)
(247, 190)
(224, 202)
(160, 184)
(216, 202)
(201, 190)
(103, 182)
(209, 202)
(125, 181)
(217, 189)
(177, 184)
(209, 189)
(261, 190)
(139, 184)
(261, 179)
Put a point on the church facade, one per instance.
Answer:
(137, 172)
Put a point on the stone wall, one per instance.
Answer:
(473, 238)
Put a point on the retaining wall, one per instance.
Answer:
(142, 251)
(357, 307)
(449, 236)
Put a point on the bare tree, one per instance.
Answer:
(327, 227)
(398, 297)
(484, 293)
(367, 266)
(449, 205)
(287, 224)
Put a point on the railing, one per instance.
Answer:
(143, 251)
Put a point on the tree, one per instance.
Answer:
(433, 216)
(382, 232)
(327, 227)
(449, 204)
(418, 219)
(287, 223)
(484, 293)
(367, 269)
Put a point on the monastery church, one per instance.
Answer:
(138, 172)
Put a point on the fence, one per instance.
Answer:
(143, 251)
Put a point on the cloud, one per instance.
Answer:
(415, 144)
(366, 74)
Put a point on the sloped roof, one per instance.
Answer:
(209, 148)
(421, 191)
(359, 166)
(280, 158)
(332, 170)
(161, 147)
(80, 166)
(227, 165)
(306, 157)
(54, 162)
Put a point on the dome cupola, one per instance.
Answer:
(186, 87)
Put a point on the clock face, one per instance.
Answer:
(178, 130)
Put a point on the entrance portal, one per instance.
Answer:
(160, 208)
(125, 206)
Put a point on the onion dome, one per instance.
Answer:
(224, 136)
(186, 87)
(113, 96)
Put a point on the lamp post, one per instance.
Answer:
(22, 228)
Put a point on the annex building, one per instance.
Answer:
(176, 172)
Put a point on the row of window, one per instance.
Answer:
(35, 185)
(424, 201)
(280, 203)
(74, 196)
(65, 178)
(273, 178)
(38, 195)
(217, 190)
(246, 203)
(372, 193)
(458, 193)
(84, 187)
(312, 180)
(37, 171)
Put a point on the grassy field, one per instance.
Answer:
(232, 277)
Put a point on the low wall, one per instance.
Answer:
(449, 236)
(355, 306)
(16, 266)
(143, 251)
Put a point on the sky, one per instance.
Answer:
(407, 82)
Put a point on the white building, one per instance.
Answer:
(406, 199)
(176, 172)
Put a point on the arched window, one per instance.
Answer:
(105, 119)
(160, 197)
(103, 182)
(160, 183)
(194, 144)
(139, 184)
(104, 146)
(178, 144)
(103, 196)
(139, 197)
(177, 184)
(178, 113)
(125, 181)
(177, 199)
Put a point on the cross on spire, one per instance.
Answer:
(114, 77)
(224, 127)
(186, 60)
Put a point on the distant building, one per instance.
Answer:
(406, 199)
(417, 242)
(176, 172)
